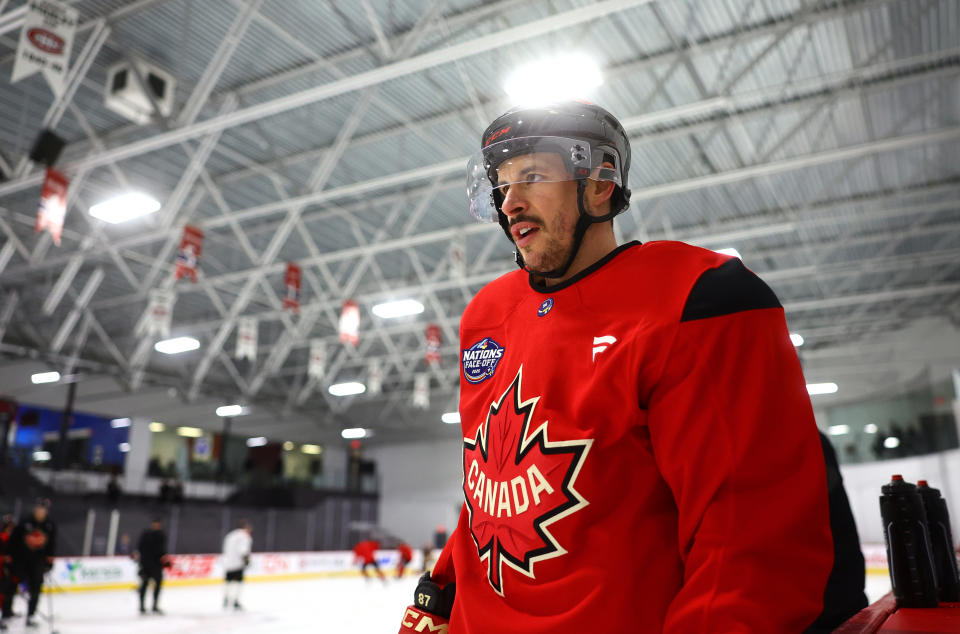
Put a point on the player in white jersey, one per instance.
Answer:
(236, 557)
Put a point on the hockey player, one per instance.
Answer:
(404, 557)
(639, 450)
(8, 585)
(236, 557)
(32, 545)
(152, 555)
(365, 553)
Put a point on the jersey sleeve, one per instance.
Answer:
(734, 437)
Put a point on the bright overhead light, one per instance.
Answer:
(796, 340)
(117, 423)
(311, 449)
(124, 447)
(176, 345)
(729, 251)
(228, 411)
(259, 441)
(821, 388)
(354, 432)
(189, 432)
(288, 446)
(839, 430)
(398, 308)
(43, 456)
(869, 428)
(45, 377)
(891, 442)
(559, 78)
(157, 427)
(450, 418)
(347, 389)
(125, 207)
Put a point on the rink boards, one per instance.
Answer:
(120, 573)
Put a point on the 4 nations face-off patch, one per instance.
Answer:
(480, 360)
(517, 483)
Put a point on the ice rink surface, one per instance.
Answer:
(341, 605)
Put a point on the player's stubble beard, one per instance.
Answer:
(552, 246)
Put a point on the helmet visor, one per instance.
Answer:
(527, 161)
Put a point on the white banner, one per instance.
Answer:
(246, 338)
(421, 390)
(45, 43)
(159, 312)
(318, 358)
(375, 376)
(458, 258)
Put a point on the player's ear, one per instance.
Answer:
(599, 192)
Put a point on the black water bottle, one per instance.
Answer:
(908, 545)
(941, 542)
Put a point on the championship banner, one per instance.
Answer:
(246, 338)
(421, 390)
(458, 259)
(374, 376)
(318, 359)
(291, 283)
(160, 312)
(53, 204)
(434, 340)
(45, 42)
(350, 322)
(191, 246)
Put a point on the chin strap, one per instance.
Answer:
(583, 223)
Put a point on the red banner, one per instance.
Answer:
(191, 246)
(291, 282)
(350, 322)
(434, 340)
(53, 204)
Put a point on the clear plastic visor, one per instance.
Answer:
(527, 161)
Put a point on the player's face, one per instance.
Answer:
(541, 206)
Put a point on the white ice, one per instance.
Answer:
(341, 605)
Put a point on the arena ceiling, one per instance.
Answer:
(817, 137)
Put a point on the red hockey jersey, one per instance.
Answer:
(639, 455)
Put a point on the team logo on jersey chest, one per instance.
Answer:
(545, 307)
(480, 360)
(517, 483)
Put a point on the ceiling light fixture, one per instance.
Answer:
(189, 432)
(45, 377)
(839, 430)
(891, 442)
(259, 441)
(450, 418)
(347, 389)
(43, 456)
(118, 423)
(869, 428)
(124, 447)
(398, 308)
(559, 78)
(311, 449)
(157, 427)
(288, 446)
(176, 345)
(125, 207)
(354, 432)
(821, 388)
(229, 411)
(796, 340)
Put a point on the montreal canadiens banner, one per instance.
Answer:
(318, 358)
(434, 338)
(375, 376)
(159, 312)
(291, 284)
(45, 43)
(421, 390)
(53, 204)
(191, 246)
(247, 338)
(350, 322)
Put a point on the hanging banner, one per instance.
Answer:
(191, 246)
(53, 204)
(45, 42)
(434, 340)
(421, 390)
(375, 376)
(350, 322)
(318, 358)
(458, 259)
(247, 338)
(291, 284)
(160, 312)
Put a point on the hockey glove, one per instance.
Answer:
(431, 607)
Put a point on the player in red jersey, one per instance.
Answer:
(405, 556)
(639, 449)
(365, 553)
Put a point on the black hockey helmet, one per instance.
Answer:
(583, 134)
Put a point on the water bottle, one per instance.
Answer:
(941, 542)
(908, 545)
